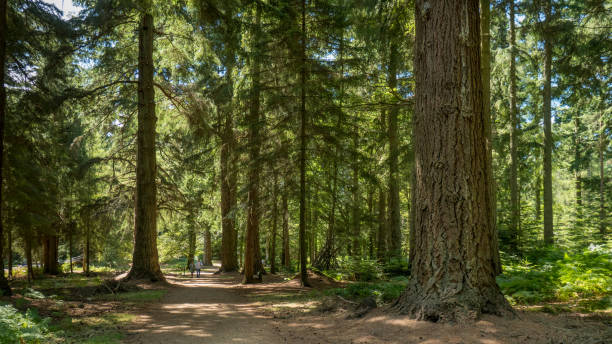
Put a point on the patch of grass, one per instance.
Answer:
(140, 296)
(92, 330)
(60, 282)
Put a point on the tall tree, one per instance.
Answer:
(485, 53)
(513, 113)
(285, 254)
(274, 223)
(395, 230)
(303, 118)
(546, 115)
(252, 251)
(4, 286)
(602, 178)
(453, 273)
(145, 261)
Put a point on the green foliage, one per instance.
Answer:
(551, 274)
(138, 296)
(357, 269)
(18, 328)
(397, 266)
(383, 292)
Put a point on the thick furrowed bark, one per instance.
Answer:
(453, 267)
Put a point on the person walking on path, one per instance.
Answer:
(198, 266)
(191, 268)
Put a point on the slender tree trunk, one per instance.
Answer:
(356, 213)
(145, 261)
(5, 289)
(302, 234)
(191, 244)
(371, 227)
(395, 229)
(382, 225)
(28, 252)
(327, 253)
(252, 260)
(86, 252)
(538, 199)
(10, 253)
(229, 260)
(577, 177)
(286, 257)
(514, 205)
(71, 226)
(485, 68)
(548, 196)
(207, 246)
(602, 180)
(274, 224)
(453, 272)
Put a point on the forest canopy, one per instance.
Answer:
(281, 135)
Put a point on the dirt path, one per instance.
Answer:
(216, 309)
(203, 310)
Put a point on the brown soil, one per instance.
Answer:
(218, 309)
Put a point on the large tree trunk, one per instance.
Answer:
(302, 233)
(252, 256)
(395, 229)
(145, 261)
(548, 196)
(453, 272)
(5, 289)
(513, 113)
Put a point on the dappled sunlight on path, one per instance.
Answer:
(203, 310)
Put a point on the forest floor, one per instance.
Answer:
(218, 309)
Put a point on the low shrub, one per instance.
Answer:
(551, 274)
(364, 270)
(383, 292)
(20, 328)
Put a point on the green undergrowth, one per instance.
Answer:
(141, 296)
(91, 330)
(20, 322)
(382, 291)
(22, 327)
(583, 279)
